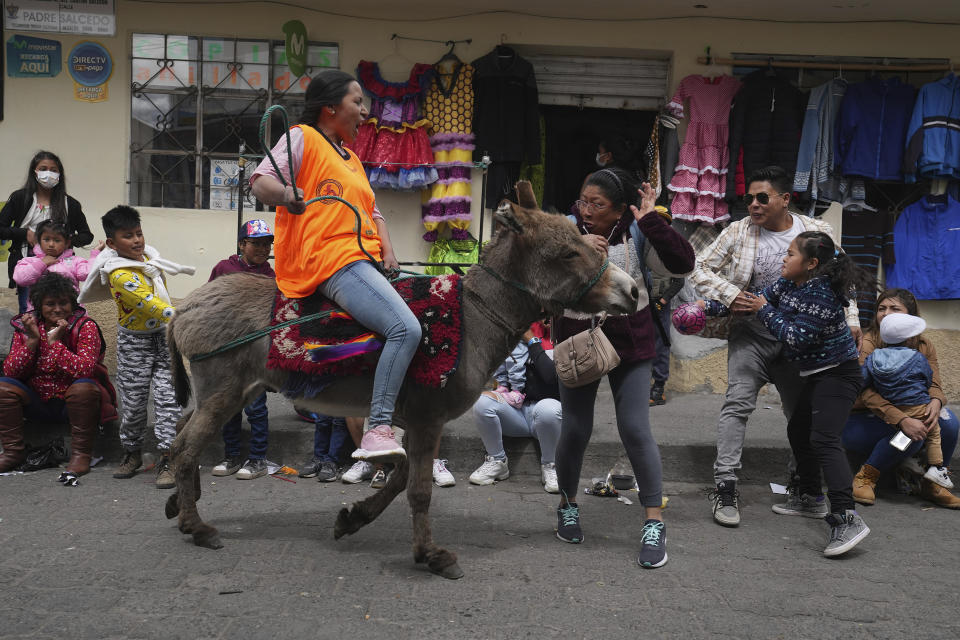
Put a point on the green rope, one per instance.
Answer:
(250, 337)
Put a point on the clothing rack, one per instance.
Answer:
(837, 66)
(446, 43)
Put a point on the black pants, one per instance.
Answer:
(814, 431)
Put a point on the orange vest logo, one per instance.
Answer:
(329, 187)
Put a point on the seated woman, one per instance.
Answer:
(50, 373)
(868, 431)
(526, 404)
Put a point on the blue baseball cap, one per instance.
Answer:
(255, 229)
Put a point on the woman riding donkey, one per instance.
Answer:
(317, 248)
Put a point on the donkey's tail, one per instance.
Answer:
(181, 381)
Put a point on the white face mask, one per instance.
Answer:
(600, 163)
(48, 179)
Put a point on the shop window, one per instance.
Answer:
(194, 100)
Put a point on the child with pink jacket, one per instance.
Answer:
(52, 253)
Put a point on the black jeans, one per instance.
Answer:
(815, 428)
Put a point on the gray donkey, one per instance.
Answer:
(535, 262)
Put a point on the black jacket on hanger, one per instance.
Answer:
(506, 115)
(766, 121)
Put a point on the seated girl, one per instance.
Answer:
(52, 374)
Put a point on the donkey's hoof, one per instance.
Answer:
(450, 572)
(207, 536)
(172, 508)
(344, 524)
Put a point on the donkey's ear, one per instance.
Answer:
(507, 216)
(525, 195)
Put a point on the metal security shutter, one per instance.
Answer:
(607, 83)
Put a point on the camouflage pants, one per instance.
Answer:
(143, 358)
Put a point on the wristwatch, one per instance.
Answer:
(532, 341)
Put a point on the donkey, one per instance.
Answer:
(536, 262)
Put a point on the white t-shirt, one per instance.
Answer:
(771, 249)
(37, 214)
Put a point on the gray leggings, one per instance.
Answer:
(631, 386)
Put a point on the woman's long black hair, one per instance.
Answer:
(58, 195)
(620, 188)
(845, 277)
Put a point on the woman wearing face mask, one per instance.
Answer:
(617, 152)
(43, 196)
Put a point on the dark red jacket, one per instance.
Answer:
(633, 336)
(234, 264)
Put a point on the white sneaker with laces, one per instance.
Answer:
(379, 444)
(441, 475)
(361, 471)
(548, 477)
(490, 471)
(940, 476)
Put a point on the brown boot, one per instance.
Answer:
(938, 495)
(83, 409)
(132, 460)
(12, 401)
(864, 485)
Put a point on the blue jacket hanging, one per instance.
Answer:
(933, 137)
(926, 242)
(872, 128)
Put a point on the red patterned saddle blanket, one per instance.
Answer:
(336, 345)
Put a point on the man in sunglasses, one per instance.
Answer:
(744, 259)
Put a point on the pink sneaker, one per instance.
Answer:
(379, 444)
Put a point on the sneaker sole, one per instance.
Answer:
(648, 565)
(577, 541)
(224, 472)
(485, 482)
(252, 476)
(330, 479)
(551, 489)
(124, 476)
(165, 485)
(357, 481)
(836, 551)
(389, 455)
(726, 523)
(806, 514)
(445, 484)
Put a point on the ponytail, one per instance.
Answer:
(844, 275)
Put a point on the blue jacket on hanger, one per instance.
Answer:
(872, 128)
(933, 137)
(926, 242)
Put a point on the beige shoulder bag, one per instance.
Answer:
(585, 357)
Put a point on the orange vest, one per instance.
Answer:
(311, 247)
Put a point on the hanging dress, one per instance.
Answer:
(448, 107)
(393, 143)
(700, 179)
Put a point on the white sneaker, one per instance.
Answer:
(441, 475)
(490, 471)
(937, 475)
(548, 477)
(361, 471)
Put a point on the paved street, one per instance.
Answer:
(100, 561)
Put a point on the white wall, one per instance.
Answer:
(93, 139)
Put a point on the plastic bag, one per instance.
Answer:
(46, 456)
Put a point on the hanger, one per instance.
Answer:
(839, 71)
(450, 55)
(504, 52)
(395, 55)
(770, 70)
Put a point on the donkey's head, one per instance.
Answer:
(547, 255)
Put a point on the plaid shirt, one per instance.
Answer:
(725, 267)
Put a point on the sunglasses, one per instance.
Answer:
(762, 198)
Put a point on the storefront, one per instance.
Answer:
(158, 124)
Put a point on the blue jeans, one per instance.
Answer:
(365, 294)
(869, 435)
(661, 363)
(328, 437)
(257, 416)
(23, 297)
(540, 420)
(53, 410)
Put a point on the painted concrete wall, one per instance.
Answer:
(93, 139)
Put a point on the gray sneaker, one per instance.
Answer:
(328, 471)
(726, 503)
(804, 505)
(846, 531)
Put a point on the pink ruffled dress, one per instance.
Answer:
(700, 180)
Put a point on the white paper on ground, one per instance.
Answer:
(778, 488)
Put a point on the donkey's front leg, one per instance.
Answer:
(421, 444)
